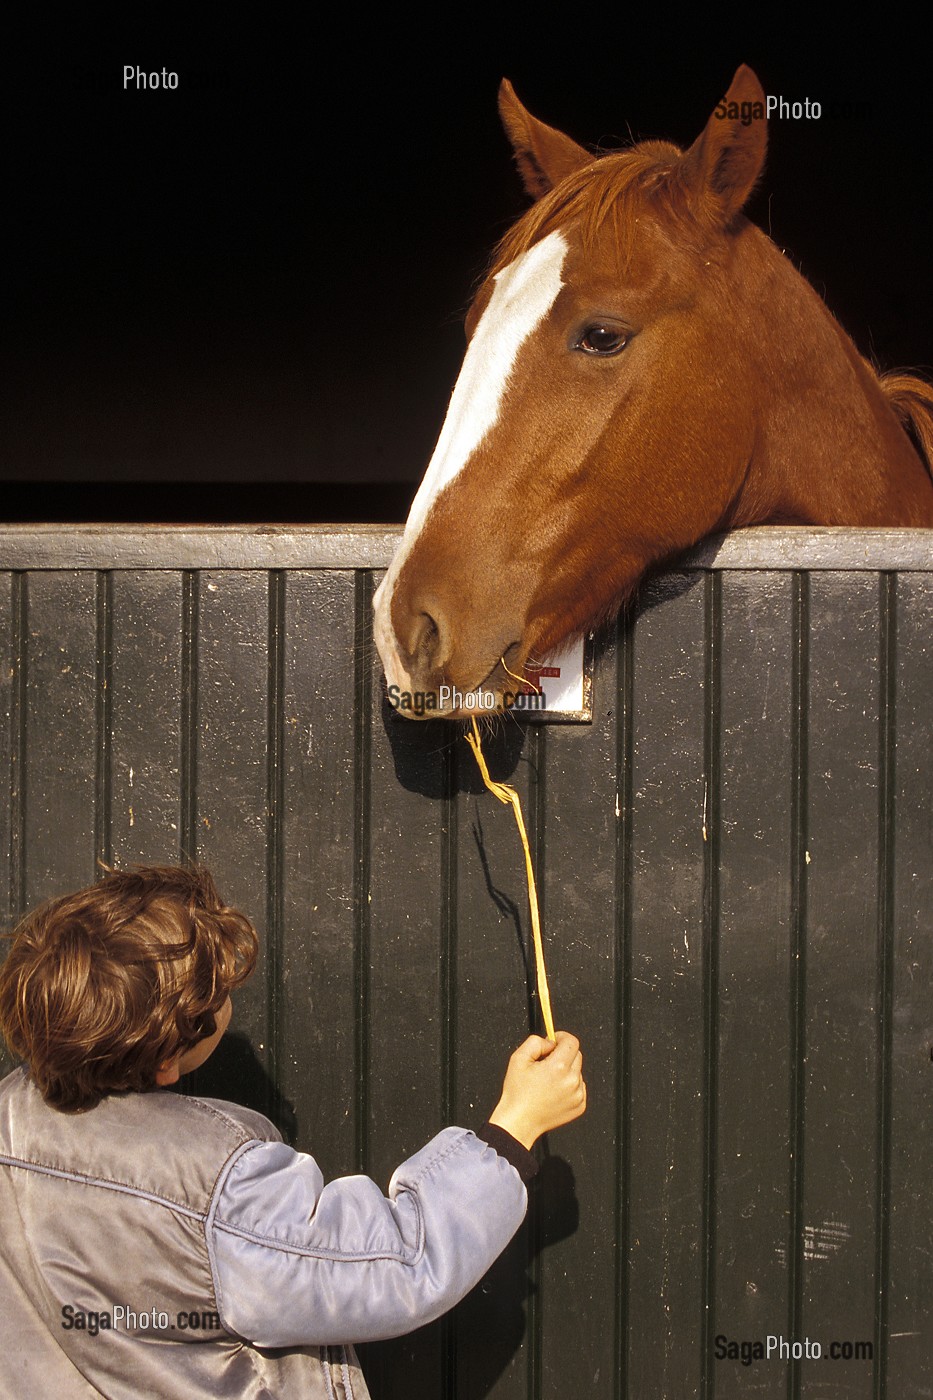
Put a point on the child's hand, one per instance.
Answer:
(543, 1088)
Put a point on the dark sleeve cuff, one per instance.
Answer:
(524, 1162)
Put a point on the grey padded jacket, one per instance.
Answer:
(166, 1246)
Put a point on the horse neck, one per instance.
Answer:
(829, 448)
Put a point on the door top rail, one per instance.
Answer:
(137, 547)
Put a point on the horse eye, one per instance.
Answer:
(602, 340)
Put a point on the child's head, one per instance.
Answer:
(104, 988)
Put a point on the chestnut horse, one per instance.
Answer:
(644, 368)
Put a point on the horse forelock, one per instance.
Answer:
(614, 190)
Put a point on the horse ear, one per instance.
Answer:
(544, 156)
(722, 165)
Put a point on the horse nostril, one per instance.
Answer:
(428, 641)
(426, 634)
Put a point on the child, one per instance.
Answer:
(153, 1244)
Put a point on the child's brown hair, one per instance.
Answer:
(101, 987)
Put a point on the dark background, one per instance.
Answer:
(242, 300)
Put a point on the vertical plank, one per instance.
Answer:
(145, 717)
(229, 678)
(840, 1162)
(10, 642)
(494, 1328)
(909, 1336)
(668, 1033)
(405, 1004)
(407, 996)
(756, 923)
(10, 834)
(577, 1187)
(61, 742)
(317, 1073)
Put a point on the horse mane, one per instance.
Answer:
(912, 401)
(612, 186)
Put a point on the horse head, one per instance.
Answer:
(643, 368)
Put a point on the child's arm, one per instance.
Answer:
(298, 1263)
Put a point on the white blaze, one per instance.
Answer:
(523, 294)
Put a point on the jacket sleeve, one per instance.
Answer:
(298, 1263)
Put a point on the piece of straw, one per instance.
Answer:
(508, 794)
